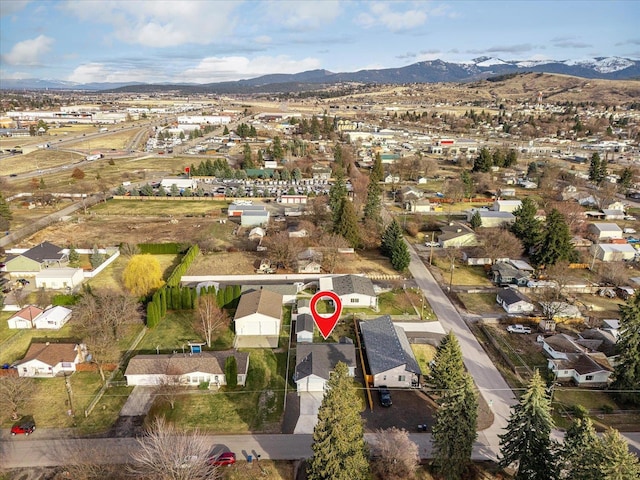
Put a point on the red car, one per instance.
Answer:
(225, 458)
(25, 426)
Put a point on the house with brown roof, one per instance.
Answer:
(570, 361)
(190, 369)
(51, 359)
(25, 317)
(258, 319)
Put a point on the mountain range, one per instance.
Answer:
(608, 68)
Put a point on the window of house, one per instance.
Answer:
(401, 378)
(589, 377)
(67, 365)
(355, 300)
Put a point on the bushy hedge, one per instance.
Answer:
(162, 248)
(183, 266)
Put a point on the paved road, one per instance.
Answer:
(490, 382)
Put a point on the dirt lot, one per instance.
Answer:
(107, 231)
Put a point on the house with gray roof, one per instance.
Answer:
(316, 361)
(188, 369)
(389, 355)
(258, 319)
(37, 258)
(304, 328)
(513, 301)
(355, 291)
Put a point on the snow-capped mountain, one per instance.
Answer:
(611, 68)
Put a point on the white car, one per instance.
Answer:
(518, 329)
(431, 244)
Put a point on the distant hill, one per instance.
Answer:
(606, 68)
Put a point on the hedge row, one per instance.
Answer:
(162, 248)
(169, 298)
(183, 266)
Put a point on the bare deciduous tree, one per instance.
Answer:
(15, 393)
(211, 317)
(280, 248)
(330, 245)
(166, 453)
(170, 388)
(498, 242)
(396, 457)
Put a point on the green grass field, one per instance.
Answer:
(111, 277)
(424, 353)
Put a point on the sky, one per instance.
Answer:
(204, 41)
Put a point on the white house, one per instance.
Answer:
(316, 361)
(585, 369)
(391, 360)
(258, 318)
(51, 359)
(53, 318)
(355, 291)
(186, 369)
(59, 278)
(613, 252)
(601, 230)
(25, 317)
(512, 301)
(506, 205)
(304, 328)
(491, 218)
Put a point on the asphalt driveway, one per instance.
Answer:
(410, 408)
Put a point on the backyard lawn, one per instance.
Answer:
(480, 303)
(462, 274)
(111, 277)
(16, 345)
(424, 353)
(256, 407)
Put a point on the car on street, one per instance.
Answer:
(385, 396)
(518, 329)
(225, 458)
(24, 426)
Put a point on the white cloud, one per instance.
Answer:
(263, 39)
(380, 14)
(14, 75)
(161, 23)
(220, 69)
(28, 52)
(100, 72)
(297, 15)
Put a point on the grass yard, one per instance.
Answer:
(49, 403)
(257, 407)
(480, 303)
(111, 277)
(267, 469)
(164, 208)
(566, 397)
(462, 274)
(424, 353)
(16, 346)
(5, 332)
(171, 334)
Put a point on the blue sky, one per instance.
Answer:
(211, 41)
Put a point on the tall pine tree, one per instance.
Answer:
(626, 384)
(337, 196)
(617, 462)
(527, 439)
(339, 449)
(579, 461)
(455, 429)
(347, 225)
(556, 242)
(526, 226)
(447, 367)
(595, 168)
(5, 214)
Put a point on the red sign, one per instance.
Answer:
(326, 324)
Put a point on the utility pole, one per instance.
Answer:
(431, 253)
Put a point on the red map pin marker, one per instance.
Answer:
(326, 324)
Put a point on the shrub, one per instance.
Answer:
(77, 173)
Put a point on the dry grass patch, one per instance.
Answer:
(424, 353)
(142, 207)
(41, 159)
(119, 140)
(480, 303)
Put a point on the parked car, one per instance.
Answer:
(24, 426)
(225, 458)
(23, 281)
(518, 329)
(432, 244)
(385, 396)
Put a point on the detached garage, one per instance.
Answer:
(59, 278)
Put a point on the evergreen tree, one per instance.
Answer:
(247, 159)
(556, 242)
(5, 214)
(467, 181)
(339, 449)
(527, 438)
(526, 226)
(96, 259)
(484, 161)
(626, 178)
(455, 429)
(120, 190)
(231, 371)
(296, 174)
(400, 256)
(604, 170)
(74, 257)
(347, 225)
(579, 461)
(447, 367)
(626, 382)
(276, 149)
(337, 195)
(476, 220)
(373, 202)
(390, 237)
(377, 172)
(617, 463)
(225, 131)
(174, 191)
(595, 169)
(337, 155)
